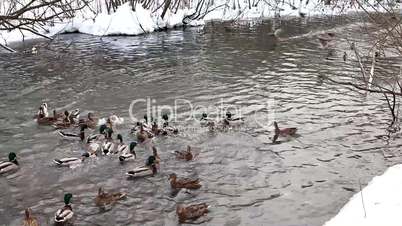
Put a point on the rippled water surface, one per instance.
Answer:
(245, 178)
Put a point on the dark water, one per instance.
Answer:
(241, 172)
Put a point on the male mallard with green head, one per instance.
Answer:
(127, 152)
(66, 212)
(150, 168)
(10, 165)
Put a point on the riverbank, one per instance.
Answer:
(125, 21)
(379, 203)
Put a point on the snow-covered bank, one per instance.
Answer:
(125, 21)
(382, 199)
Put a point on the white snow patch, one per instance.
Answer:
(382, 201)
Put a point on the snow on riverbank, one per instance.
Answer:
(382, 201)
(125, 21)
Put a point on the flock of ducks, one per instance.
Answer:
(103, 143)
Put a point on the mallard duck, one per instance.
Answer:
(191, 212)
(109, 146)
(230, 121)
(150, 168)
(90, 121)
(178, 183)
(29, 219)
(11, 165)
(103, 198)
(43, 111)
(143, 135)
(128, 152)
(71, 160)
(67, 121)
(111, 121)
(277, 32)
(66, 213)
(326, 39)
(205, 121)
(283, 132)
(185, 155)
(167, 129)
(74, 136)
(49, 120)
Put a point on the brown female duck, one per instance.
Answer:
(103, 198)
(191, 212)
(185, 155)
(29, 219)
(178, 183)
(283, 132)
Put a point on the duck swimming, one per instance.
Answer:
(74, 136)
(66, 213)
(29, 219)
(205, 121)
(150, 168)
(283, 132)
(230, 121)
(185, 155)
(178, 183)
(72, 161)
(167, 129)
(191, 212)
(128, 152)
(143, 135)
(103, 198)
(326, 39)
(10, 165)
(90, 121)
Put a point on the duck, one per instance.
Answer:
(167, 129)
(230, 121)
(41, 119)
(66, 212)
(178, 183)
(71, 161)
(101, 136)
(143, 135)
(34, 50)
(283, 132)
(185, 155)
(205, 121)
(149, 169)
(277, 32)
(10, 165)
(29, 219)
(43, 111)
(109, 146)
(128, 152)
(73, 136)
(103, 198)
(191, 212)
(90, 121)
(111, 121)
(326, 39)
(67, 121)
(345, 56)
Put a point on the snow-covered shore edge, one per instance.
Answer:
(379, 203)
(125, 21)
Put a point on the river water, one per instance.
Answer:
(246, 180)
